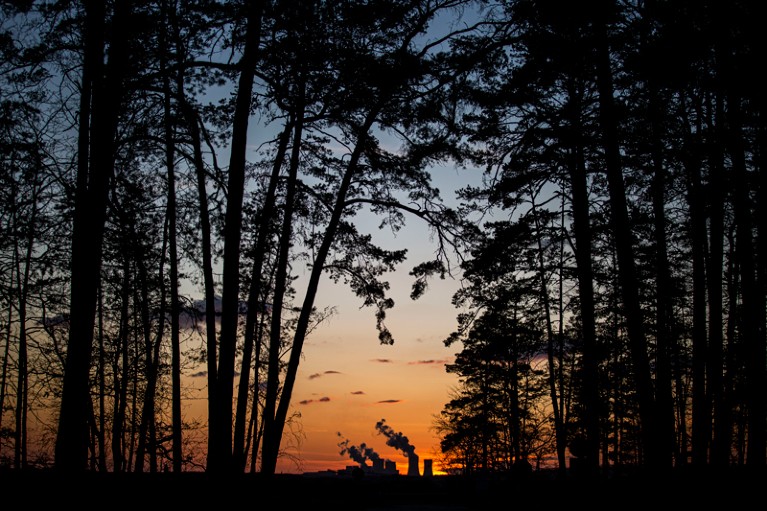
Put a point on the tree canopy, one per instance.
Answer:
(613, 253)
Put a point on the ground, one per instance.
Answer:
(40, 489)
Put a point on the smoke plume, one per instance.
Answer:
(358, 453)
(395, 439)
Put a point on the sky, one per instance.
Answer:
(348, 381)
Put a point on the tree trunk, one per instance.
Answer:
(206, 256)
(147, 435)
(272, 438)
(585, 274)
(6, 353)
(754, 349)
(272, 425)
(220, 421)
(100, 106)
(170, 27)
(101, 422)
(701, 407)
(559, 426)
(664, 336)
(255, 308)
(22, 380)
(22, 385)
(621, 228)
(761, 228)
(118, 383)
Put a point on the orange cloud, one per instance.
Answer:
(310, 401)
(429, 362)
(317, 375)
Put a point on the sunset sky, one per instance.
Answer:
(348, 381)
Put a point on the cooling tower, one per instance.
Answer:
(412, 465)
(427, 470)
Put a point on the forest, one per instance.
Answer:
(170, 167)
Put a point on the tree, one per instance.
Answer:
(220, 452)
(622, 145)
(397, 71)
(500, 385)
(102, 89)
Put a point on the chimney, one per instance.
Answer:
(412, 465)
(427, 470)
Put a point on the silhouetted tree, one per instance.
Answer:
(390, 74)
(102, 94)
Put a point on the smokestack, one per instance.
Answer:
(400, 442)
(412, 465)
(427, 470)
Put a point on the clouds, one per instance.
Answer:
(324, 399)
(382, 384)
(429, 362)
(319, 375)
(433, 362)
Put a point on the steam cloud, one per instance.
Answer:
(358, 453)
(395, 439)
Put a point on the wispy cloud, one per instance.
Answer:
(204, 374)
(383, 360)
(358, 393)
(429, 362)
(317, 375)
(390, 401)
(310, 401)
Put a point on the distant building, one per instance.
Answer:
(427, 468)
(412, 465)
(380, 468)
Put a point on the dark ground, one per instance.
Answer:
(37, 489)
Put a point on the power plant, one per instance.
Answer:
(380, 466)
(412, 465)
(427, 468)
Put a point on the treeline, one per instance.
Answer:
(616, 299)
(154, 152)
